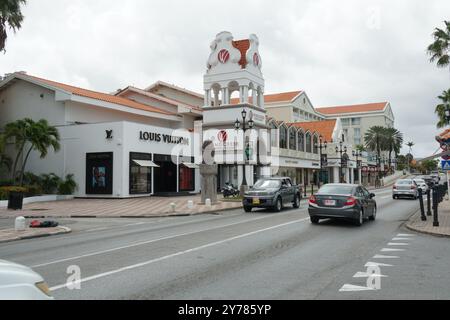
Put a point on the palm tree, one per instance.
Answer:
(394, 141)
(41, 137)
(375, 139)
(439, 50)
(410, 144)
(18, 131)
(440, 108)
(10, 15)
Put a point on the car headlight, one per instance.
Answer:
(43, 287)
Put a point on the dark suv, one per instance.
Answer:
(272, 193)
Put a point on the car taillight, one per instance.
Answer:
(394, 187)
(313, 199)
(350, 201)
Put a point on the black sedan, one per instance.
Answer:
(342, 201)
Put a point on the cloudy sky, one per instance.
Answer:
(339, 52)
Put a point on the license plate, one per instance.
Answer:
(330, 202)
(256, 201)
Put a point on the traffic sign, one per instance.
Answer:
(445, 164)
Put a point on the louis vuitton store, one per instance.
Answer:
(126, 159)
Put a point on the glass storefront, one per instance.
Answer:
(140, 174)
(99, 173)
(186, 174)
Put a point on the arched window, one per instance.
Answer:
(301, 141)
(308, 143)
(315, 142)
(283, 137)
(273, 135)
(292, 140)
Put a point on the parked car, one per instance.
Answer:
(342, 201)
(428, 179)
(405, 188)
(421, 184)
(436, 178)
(272, 193)
(230, 191)
(18, 282)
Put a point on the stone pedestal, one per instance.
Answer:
(208, 175)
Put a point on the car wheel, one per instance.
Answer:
(278, 205)
(314, 220)
(360, 220)
(247, 209)
(394, 197)
(374, 215)
(296, 203)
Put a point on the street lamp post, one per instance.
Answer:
(341, 150)
(244, 126)
(357, 155)
(321, 146)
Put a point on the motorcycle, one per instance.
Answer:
(230, 191)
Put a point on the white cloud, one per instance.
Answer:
(340, 52)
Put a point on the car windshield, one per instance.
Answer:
(404, 182)
(419, 180)
(267, 184)
(336, 189)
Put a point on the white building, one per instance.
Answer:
(135, 143)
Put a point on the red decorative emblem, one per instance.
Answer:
(256, 59)
(222, 136)
(224, 56)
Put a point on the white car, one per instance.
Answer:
(18, 282)
(421, 184)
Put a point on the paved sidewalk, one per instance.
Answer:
(416, 224)
(115, 208)
(8, 235)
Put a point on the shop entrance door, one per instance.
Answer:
(166, 175)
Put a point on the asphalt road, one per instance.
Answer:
(237, 255)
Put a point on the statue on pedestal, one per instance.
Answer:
(208, 172)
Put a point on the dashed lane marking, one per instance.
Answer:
(391, 250)
(380, 256)
(398, 244)
(351, 287)
(376, 264)
(367, 275)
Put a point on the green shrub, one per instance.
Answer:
(4, 191)
(68, 186)
(31, 179)
(50, 183)
(33, 190)
(6, 182)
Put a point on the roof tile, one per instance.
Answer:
(324, 128)
(368, 107)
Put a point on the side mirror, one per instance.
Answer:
(372, 195)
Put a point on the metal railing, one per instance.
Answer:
(434, 197)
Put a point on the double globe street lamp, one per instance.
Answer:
(341, 150)
(245, 125)
(321, 145)
(358, 155)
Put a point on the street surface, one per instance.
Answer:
(237, 255)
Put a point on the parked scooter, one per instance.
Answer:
(229, 191)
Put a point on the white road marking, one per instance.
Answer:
(140, 243)
(391, 250)
(138, 265)
(350, 287)
(405, 235)
(96, 229)
(401, 239)
(379, 256)
(376, 264)
(398, 244)
(367, 275)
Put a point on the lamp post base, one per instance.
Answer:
(243, 189)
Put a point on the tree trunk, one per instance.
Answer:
(16, 162)
(23, 166)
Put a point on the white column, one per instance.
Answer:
(336, 175)
(347, 175)
(255, 97)
(245, 94)
(260, 99)
(239, 176)
(249, 171)
(360, 176)
(207, 97)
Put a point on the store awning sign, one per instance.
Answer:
(146, 163)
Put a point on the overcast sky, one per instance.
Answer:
(339, 52)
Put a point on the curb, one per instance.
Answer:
(409, 226)
(64, 231)
(168, 215)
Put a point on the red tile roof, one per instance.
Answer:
(272, 98)
(324, 128)
(242, 46)
(368, 107)
(99, 96)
